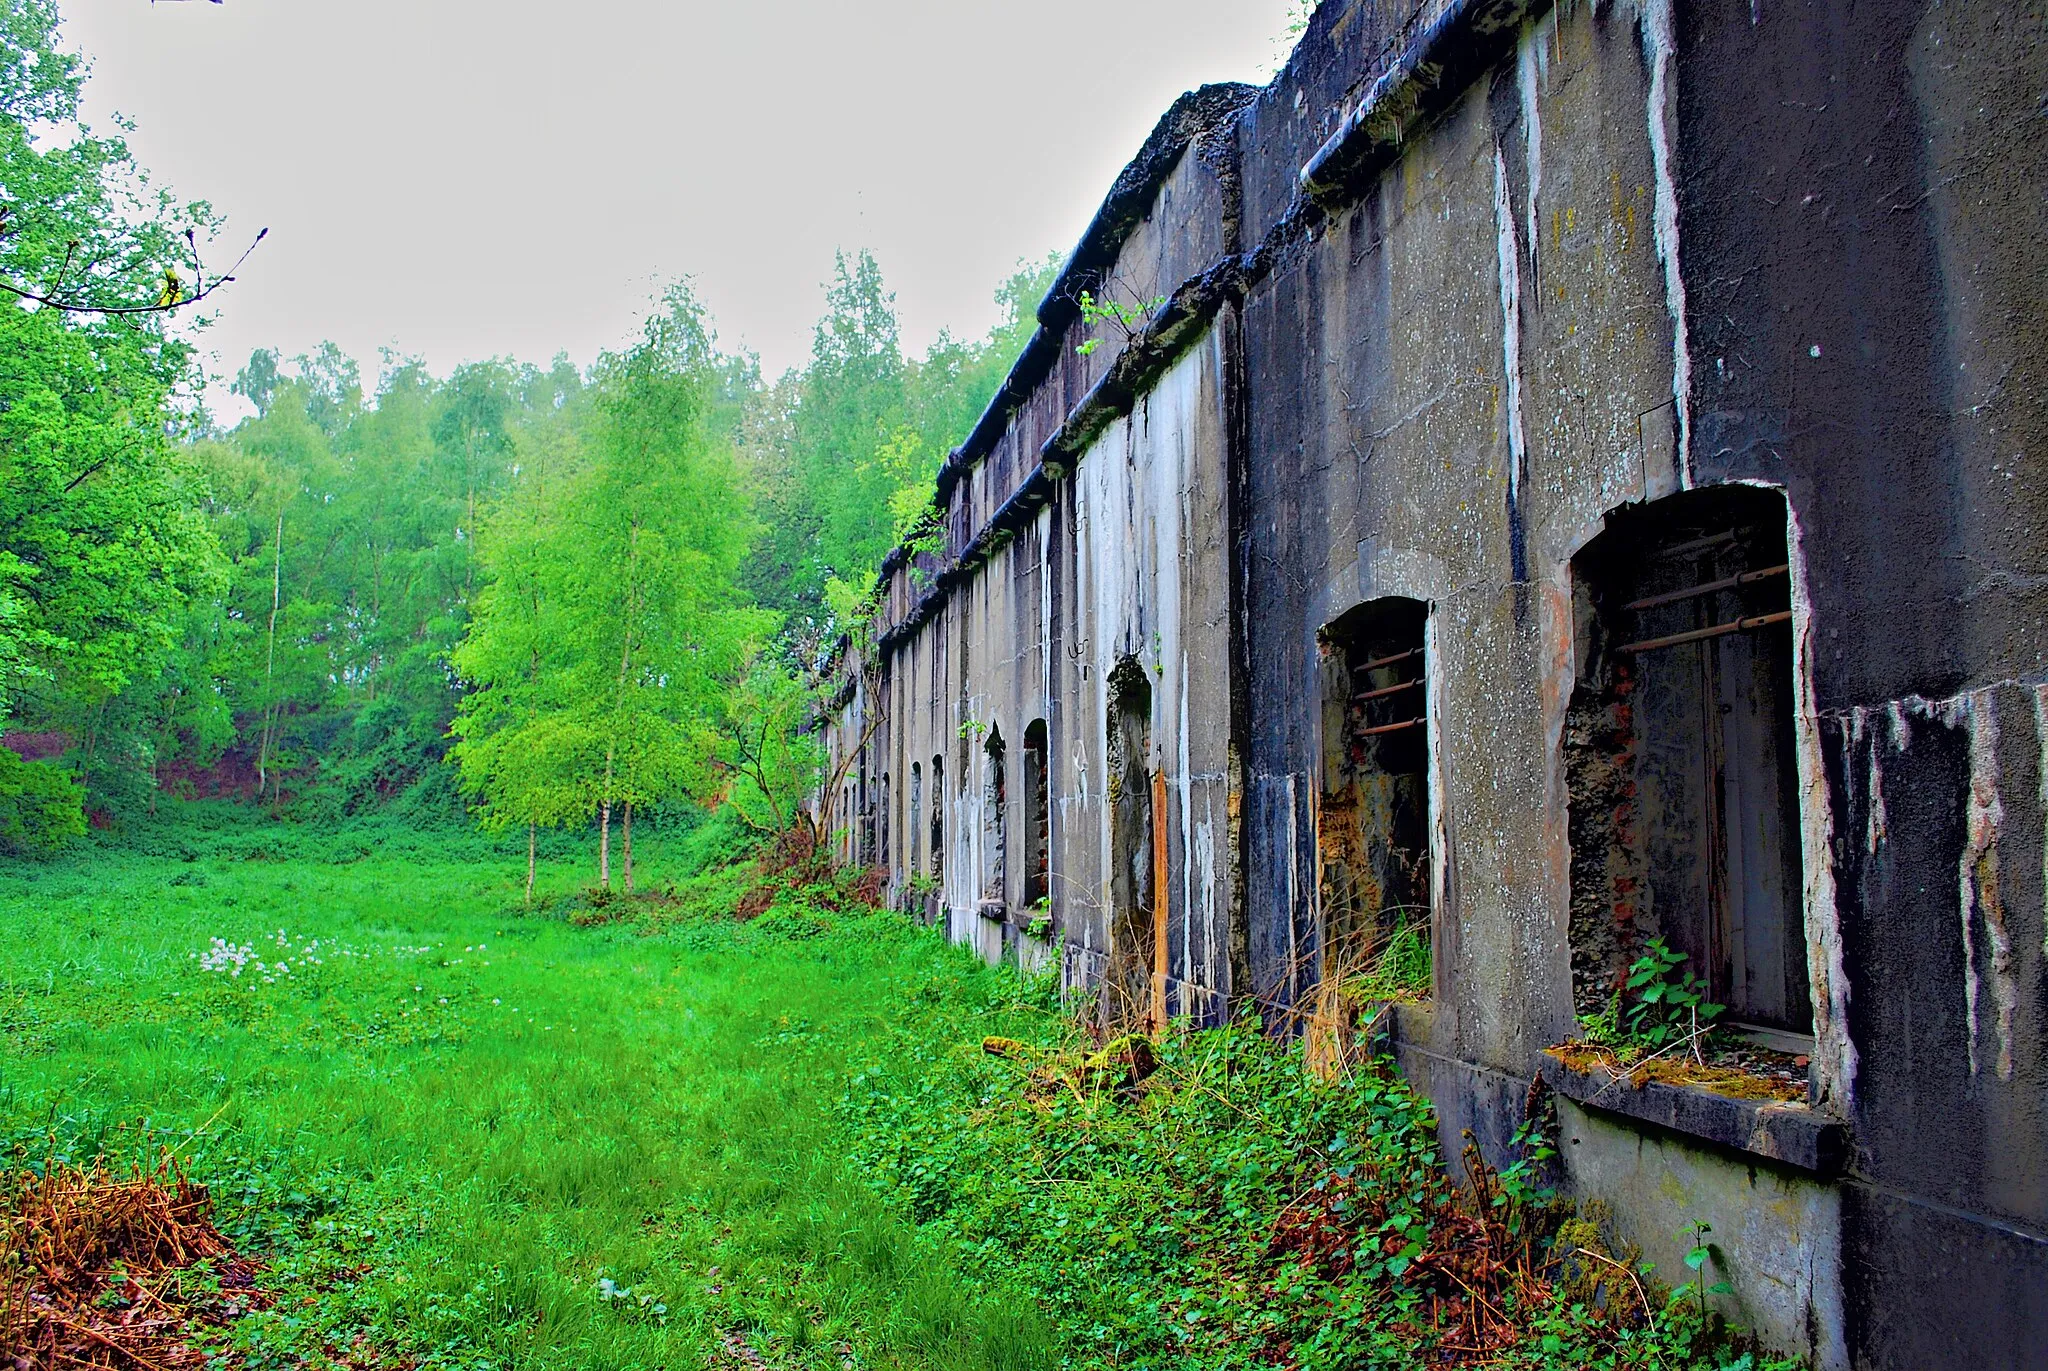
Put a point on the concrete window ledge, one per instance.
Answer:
(995, 911)
(1789, 1133)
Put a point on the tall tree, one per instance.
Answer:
(102, 544)
(613, 620)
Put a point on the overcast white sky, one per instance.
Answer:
(473, 178)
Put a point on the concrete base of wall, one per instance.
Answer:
(1776, 1234)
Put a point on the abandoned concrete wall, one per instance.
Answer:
(1470, 293)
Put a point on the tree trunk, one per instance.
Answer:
(604, 846)
(629, 847)
(532, 842)
(92, 735)
(270, 655)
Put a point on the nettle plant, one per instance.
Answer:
(1665, 1005)
(1669, 1004)
(1040, 926)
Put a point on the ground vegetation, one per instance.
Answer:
(743, 1118)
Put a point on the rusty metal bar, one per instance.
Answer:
(1388, 728)
(1386, 690)
(1671, 597)
(1701, 634)
(1696, 545)
(1378, 662)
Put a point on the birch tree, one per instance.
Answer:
(602, 651)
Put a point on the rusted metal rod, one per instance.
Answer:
(1696, 545)
(1388, 728)
(1378, 662)
(1670, 597)
(1701, 634)
(1386, 690)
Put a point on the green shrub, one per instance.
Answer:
(41, 808)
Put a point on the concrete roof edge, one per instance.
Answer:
(1194, 114)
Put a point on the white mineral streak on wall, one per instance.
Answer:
(1293, 895)
(1130, 495)
(2041, 736)
(1979, 898)
(1660, 47)
(961, 823)
(1187, 834)
(1510, 317)
(1869, 729)
(1984, 822)
(1434, 751)
(1087, 734)
(1105, 537)
(1834, 1053)
(1045, 622)
(1533, 70)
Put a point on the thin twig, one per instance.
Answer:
(79, 307)
(1648, 1316)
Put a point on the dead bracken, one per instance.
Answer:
(99, 1269)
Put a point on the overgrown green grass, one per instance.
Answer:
(643, 1134)
(449, 1121)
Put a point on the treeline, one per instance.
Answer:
(553, 596)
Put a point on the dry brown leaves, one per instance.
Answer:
(1481, 1268)
(126, 1272)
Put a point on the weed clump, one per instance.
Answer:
(1209, 1203)
(102, 1270)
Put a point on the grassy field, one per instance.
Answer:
(481, 1137)
(466, 1134)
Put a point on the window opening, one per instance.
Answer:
(1681, 760)
(1133, 941)
(916, 863)
(864, 808)
(1037, 817)
(1375, 822)
(882, 816)
(995, 796)
(938, 818)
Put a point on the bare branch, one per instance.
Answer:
(162, 307)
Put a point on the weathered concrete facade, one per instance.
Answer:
(1584, 484)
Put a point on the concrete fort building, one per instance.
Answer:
(1563, 476)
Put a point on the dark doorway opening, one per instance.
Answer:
(1037, 819)
(1133, 942)
(938, 818)
(994, 829)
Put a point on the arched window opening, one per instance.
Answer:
(848, 814)
(864, 809)
(938, 818)
(994, 834)
(1130, 994)
(916, 864)
(1376, 894)
(1037, 819)
(1681, 761)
